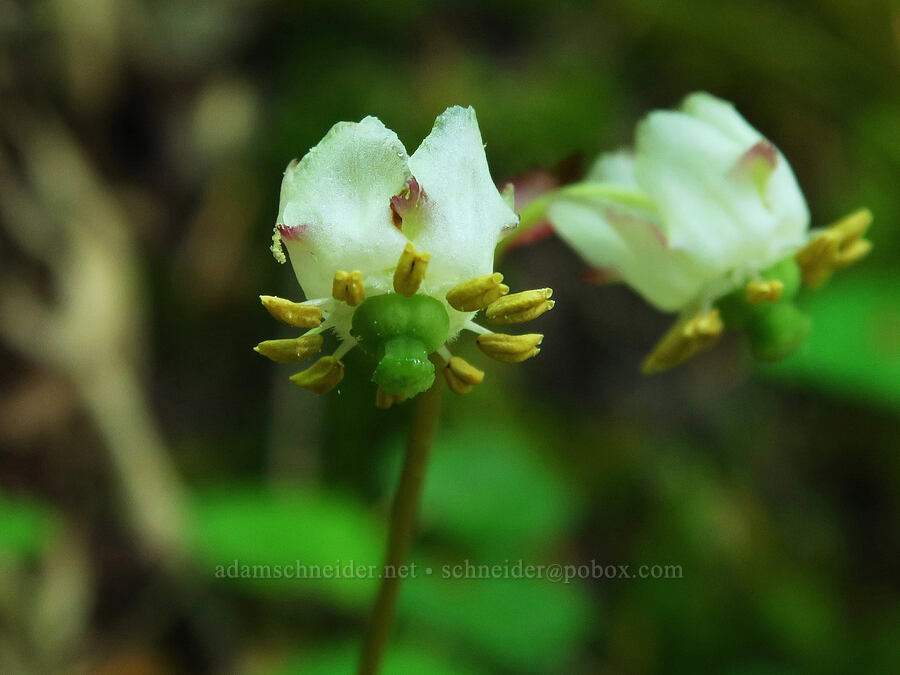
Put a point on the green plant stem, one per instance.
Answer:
(402, 526)
(535, 211)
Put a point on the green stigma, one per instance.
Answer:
(775, 329)
(400, 332)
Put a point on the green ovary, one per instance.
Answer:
(775, 329)
(778, 332)
(400, 332)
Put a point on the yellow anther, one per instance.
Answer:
(851, 253)
(410, 271)
(854, 226)
(840, 245)
(477, 293)
(321, 377)
(385, 400)
(292, 313)
(520, 307)
(760, 290)
(461, 376)
(348, 287)
(683, 340)
(290, 350)
(815, 259)
(510, 348)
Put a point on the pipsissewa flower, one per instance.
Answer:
(395, 253)
(705, 218)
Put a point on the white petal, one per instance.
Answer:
(628, 239)
(784, 197)
(782, 194)
(465, 215)
(613, 167)
(335, 205)
(722, 115)
(685, 164)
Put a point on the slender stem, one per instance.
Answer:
(535, 211)
(402, 527)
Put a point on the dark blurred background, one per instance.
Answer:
(143, 443)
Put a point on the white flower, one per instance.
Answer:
(361, 219)
(708, 204)
(705, 218)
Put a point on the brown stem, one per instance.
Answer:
(402, 526)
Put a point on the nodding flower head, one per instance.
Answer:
(705, 218)
(395, 253)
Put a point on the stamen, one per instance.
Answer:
(348, 287)
(815, 258)
(475, 328)
(292, 313)
(461, 376)
(385, 400)
(290, 350)
(477, 293)
(520, 307)
(848, 255)
(410, 271)
(345, 346)
(840, 245)
(321, 377)
(854, 226)
(510, 348)
(683, 340)
(759, 291)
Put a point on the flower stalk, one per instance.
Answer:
(402, 527)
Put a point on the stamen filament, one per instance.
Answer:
(476, 328)
(345, 346)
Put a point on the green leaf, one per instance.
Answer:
(800, 615)
(489, 488)
(237, 528)
(25, 529)
(524, 624)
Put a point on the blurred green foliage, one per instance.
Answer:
(487, 499)
(26, 527)
(854, 348)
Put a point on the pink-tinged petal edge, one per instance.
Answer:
(407, 200)
(619, 219)
(292, 232)
(757, 164)
(599, 275)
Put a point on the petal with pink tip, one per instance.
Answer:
(336, 204)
